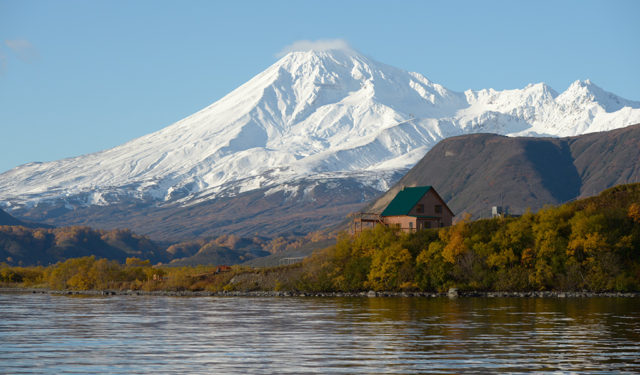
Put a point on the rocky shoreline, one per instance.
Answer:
(452, 293)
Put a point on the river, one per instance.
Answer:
(57, 334)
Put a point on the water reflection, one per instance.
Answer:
(136, 334)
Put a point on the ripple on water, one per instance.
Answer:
(140, 334)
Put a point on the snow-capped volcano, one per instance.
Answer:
(312, 114)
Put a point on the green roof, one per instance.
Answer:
(405, 200)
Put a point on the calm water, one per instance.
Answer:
(136, 334)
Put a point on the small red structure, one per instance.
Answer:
(223, 269)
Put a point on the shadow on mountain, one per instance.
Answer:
(554, 163)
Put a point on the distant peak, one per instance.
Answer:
(538, 86)
(586, 84)
(323, 45)
(541, 88)
(587, 90)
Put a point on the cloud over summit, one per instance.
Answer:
(316, 45)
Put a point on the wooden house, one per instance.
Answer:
(413, 208)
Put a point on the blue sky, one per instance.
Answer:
(81, 76)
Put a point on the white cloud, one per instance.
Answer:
(316, 45)
(23, 49)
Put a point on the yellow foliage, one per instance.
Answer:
(79, 281)
(502, 259)
(542, 275)
(423, 258)
(409, 285)
(527, 258)
(137, 262)
(455, 240)
(73, 273)
(104, 273)
(387, 266)
(634, 212)
(588, 244)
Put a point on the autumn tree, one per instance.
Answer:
(391, 269)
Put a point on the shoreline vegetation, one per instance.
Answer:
(589, 247)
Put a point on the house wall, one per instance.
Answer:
(403, 221)
(410, 223)
(430, 200)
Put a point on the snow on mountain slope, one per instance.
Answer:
(311, 114)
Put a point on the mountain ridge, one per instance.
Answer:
(6, 219)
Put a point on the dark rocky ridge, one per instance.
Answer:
(6, 219)
(474, 172)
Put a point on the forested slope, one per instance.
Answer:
(591, 244)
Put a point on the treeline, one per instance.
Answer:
(591, 244)
(25, 246)
(89, 273)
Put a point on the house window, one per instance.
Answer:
(420, 208)
(410, 225)
(438, 208)
(427, 224)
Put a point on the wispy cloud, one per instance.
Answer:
(316, 45)
(23, 49)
